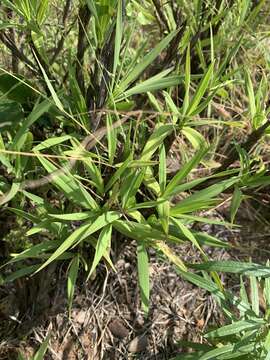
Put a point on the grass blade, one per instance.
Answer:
(43, 348)
(15, 187)
(235, 328)
(155, 140)
(203, 198)
(254, 294)
(162, 169)
(144, 63)
(81, 233)
(50, 87)
(235, 203)
(72, 277)
(185, 170)
(102, 246)
(118, 36)
(143, 274)
(188, 234)
(234, 267)
(200, 91)
(187, 81)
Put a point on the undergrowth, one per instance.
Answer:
(101, 95)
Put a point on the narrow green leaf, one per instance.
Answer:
(162, 168)
(266, 289)
(144, 63)
(46, 144)
(170, 254)
(112, 138)
(243, 292)
(203, 197)
(235, 267)
(194, 137)
(82, 233)
(150, 181)
(39, 355)
(92, 7)
(251, 95)
(254, 294)
(143, 274)
(50, 87)
(42, 10)
(142, 231)
(24, 214)
(209, 285)
(119, 172)
(86, 215)
(164, 215)
(36, 113)
(102, 246)
(185, 170)
(267, 345)
(95, 174)
(205, 220)
(70, 187)
(235, 203)
(118, 36)
(71, 281)
(236, 328)
(93, 241)
(15, 187)
(172, 107)
(229, 57)
(155, 140)
(27, 270)
(185, 230)
(153, 84)
(130, 187)
(35, 251)
(20, 357)
(200, 91)
(147, 204)
(231, 351)
(187, 81)
(209, 240)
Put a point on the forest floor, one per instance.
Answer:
(106, 320)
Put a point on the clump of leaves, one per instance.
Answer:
(246, 334)
(97, 170)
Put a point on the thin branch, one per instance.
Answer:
(59, 47)
(66, 12)
(106, 62)
(5, 39)
(83, 20)
(60, 44)
(40, 62)
(14, 61)
(161, 17)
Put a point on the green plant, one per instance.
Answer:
(246, 334)
(39, 355)
(109, 115)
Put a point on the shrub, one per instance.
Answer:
(90, 112)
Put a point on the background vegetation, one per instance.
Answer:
(146, 115)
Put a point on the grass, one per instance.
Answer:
(90, 112)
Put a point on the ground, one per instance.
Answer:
(106, 321)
